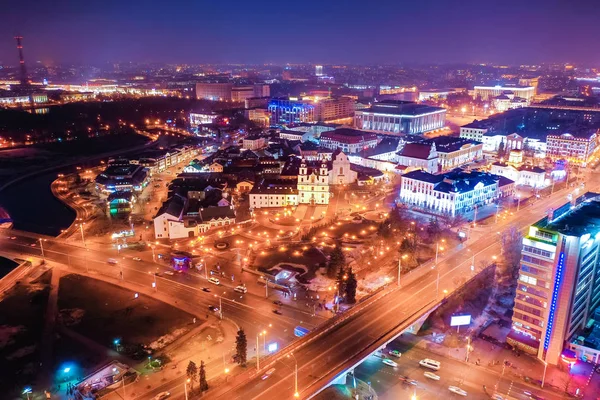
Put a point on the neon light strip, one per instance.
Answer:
(559, 269)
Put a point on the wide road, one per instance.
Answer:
(386, 381)
(329, 353)
(251, 312)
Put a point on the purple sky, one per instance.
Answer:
(317, 31)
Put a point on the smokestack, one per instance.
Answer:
(24, 81)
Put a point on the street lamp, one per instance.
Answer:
(296, 393)
(437, 249)
(185, 388)
(400, 267)
(544, 376)
(81, 230)
(42, 248)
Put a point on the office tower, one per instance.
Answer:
(559, 279)
(318, 70)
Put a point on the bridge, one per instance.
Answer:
(327, 354)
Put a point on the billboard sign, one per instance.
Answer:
(459, 320)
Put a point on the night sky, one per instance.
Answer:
(309, 31)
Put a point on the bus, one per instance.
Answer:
(300, 331)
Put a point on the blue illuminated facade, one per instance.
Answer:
(288, 111)
(555, 291)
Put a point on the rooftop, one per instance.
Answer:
(403, 108)
(584, 218)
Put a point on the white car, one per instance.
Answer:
(170, 273)
(389, 362)
(162, 396)
(457, 390)
(429, 363)
(214, 281)
(268, 374)
(431, 375)
(241, 289)
(395, 353)
(136, 259)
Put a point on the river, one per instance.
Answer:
(32, 206)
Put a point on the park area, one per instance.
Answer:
(104, 317)
(21, 325)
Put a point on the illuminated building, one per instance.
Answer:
(288, 111)
(202, 118)
(331, 109)
(487, 93)
(228, 91)
(254, 142)
(397, 117)
(452, 193)
(260, 116)
(559, 279)
(576, 149)
(310, 109)
(121, 176)
(318, 70)
(524, 175)
(348, 140)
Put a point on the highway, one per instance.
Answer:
(322, 358)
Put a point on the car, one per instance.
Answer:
(429, 363)
(13, 238)
(496, 396)
(32, 245)
(389, 362)
(112, 261)
(170, 273)
(241, 289)
(136, 259)
(162, 396)
(277, 312)
(408, 381)
(214, 281)
(205, 289)
(431, 375)
(268, 374)
(395, 353)
(277, 303)
(213, 308)
(158, 274)
(533, 396)
(457, 390)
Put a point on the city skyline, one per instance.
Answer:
(311, 32)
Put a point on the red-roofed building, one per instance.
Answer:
(348, 140)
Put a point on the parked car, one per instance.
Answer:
(457, 390)
(214, 281)
(162, 396)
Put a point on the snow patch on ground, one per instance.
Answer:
(167, 339)
(22, 352)
(70, 316)
(370, 283)
(320, 283)
(8, 333)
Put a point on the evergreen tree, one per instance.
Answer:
(192, 371)
(434, 229)
(241, 348)
(337, 260)
(351, 285)
(202, 376)
(341, 281)
(501, 149)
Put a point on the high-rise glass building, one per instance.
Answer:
(559, 279)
